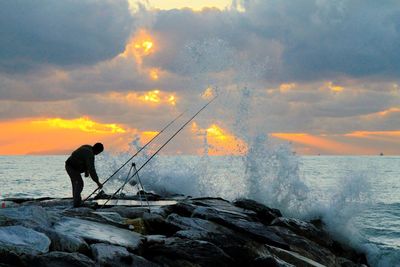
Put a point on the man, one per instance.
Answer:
(82, 160)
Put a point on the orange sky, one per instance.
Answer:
(61, 136)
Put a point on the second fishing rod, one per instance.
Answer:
(137, 152)
(155, 153)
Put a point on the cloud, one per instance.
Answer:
(62, 33)
(302, 40)
(307, 66)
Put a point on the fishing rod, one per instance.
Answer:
(155, 153)
(180, 115)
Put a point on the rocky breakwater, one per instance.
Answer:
(191, 232)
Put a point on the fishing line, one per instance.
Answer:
(155, 153)
(180, 115)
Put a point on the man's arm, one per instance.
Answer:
(90, 168)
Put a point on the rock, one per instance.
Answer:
(95, 232)
(155, 239)
(65, 203)
(192, 232)
(219, 216)
(223, 205)
(66, 243)
(150, 224)
(294, 258)
(116, 256)
(179, 252)
(269, 261)
(265, 214)
(29, 216)
(242, 223)
(61, 259)
(305, 229)
(184, 208)
(185, 223)
(22, 240)
(111, 216)
(9, 258)
(305, 247)
(128, 212)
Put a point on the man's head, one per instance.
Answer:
(98, 148)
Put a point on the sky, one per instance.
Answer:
(322, 76)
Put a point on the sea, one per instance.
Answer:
(358, 197)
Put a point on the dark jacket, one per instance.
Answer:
(82, 160)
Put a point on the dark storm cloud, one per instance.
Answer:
(70, 32)
(303, 40)
(326, 38)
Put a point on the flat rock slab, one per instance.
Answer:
(133, 203)
(99, 233)
(22, 240)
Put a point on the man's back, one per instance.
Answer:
(81, 158)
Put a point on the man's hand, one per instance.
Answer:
(99, 185)
(86, 174)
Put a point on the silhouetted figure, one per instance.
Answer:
(82, 161)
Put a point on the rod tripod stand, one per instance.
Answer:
(139, 185)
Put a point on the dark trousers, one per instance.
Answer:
(77, 184)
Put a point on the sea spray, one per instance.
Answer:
(266, 172)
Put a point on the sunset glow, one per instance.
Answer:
(350, 144)
(154, 97)
(140, 46)
(59, 136)
(84, 124)
(220, 141)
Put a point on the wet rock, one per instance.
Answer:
(61, 259)
(179, 252)
(265, 214)
(294, 258)
(116, 256)
(242, 223)
(94, 232)
(305, 247)
(269, 261)
(22, 240)
(221, 217)
(222, 205)
(305, 229)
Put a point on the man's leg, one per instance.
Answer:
(77, 185)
